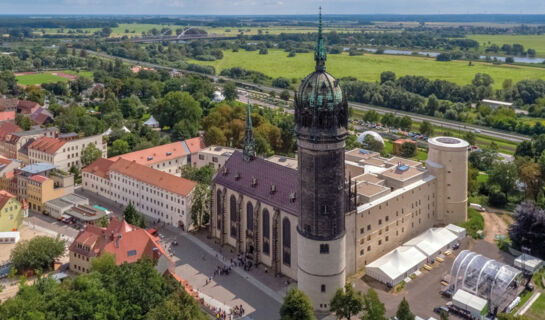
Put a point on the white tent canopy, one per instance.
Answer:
(457, 230)
(528, 263)
(469, 302)
(433, 241)
(396, 265)
(151, 122)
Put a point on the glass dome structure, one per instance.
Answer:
(487, 278)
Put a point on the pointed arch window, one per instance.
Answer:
(266, 232)
(286, 242)
(233, 215)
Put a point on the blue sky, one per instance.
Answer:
(180, 7)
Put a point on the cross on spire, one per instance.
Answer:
(248, 152)
(320, 55)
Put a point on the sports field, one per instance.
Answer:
(536, 42)
(369, 67)
(31, 79)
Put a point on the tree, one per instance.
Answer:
(215, 136)
(529, 173)
(470, 138)
(201, 175)
(433, 105)
(281, 83)
(199, 207)
(528, 230)
(230, 91)
(504, 175)
(426, 128)
(133, 217)
(119, 147)
(387, 76)
(296, 306)
(285, 95)
(374, 309)
(472, 182)
(370, 143)
(403, 311)
(23, 121)
(408, 149)
(90, 154)
(371, 116)
(37, 253)
(405, 123)
(346, 303)
(176, 106)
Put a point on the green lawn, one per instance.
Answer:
(48, 77)
(536, 42)
(38, 78)
(369, 66)
(537, 310)
(482, 178)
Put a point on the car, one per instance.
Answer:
(440, 309)
(455, 246)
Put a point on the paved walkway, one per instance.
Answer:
(528, 304)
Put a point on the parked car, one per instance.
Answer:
(440, 309)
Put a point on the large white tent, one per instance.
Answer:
(396, 265)
(469, 302)
(433, 242)
(528, 263)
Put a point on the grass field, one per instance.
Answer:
(48, 77)
(537, 310)
(369, 67)
(536, 42)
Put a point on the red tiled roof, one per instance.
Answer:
(100, 167)
(38, 178)
(7, 115)
(164, 152)
(8, 104)
(4, 197)
(128, 243)
(195, 144)
(27, 107)
(40, 118)
(154, 177)
(47, 144)
(8, 128)
(5, 161)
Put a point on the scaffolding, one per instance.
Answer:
(489, 279)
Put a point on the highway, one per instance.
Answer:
(454, 125)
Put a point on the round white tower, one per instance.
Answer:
(447, 161)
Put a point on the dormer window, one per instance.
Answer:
(253, 182)
(237, 176)
(225, 171)
(150, 158)
(292, 197)
(273, 188)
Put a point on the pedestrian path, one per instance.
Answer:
(528, 304)
(265, 289)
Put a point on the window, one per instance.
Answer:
(286, 242)
(201, 157)
(266, 231)
(218, 209)
(249, 216)
(233, 215)
(131, 253)
(361, 252)
(324, 248)
(323, 288)
(361, 230)
(215, 159)
(379, 222)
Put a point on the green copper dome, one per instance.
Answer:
(319, 89)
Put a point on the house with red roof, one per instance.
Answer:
(124, 241)
(161, 196)
(169, 158)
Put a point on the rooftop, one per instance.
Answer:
(47, 144)
(7, 115)
(38, 178)
(100, 167)
(164, 152)
(369, 189)
(284, 161)
(219, 150)
(8, 128)
(37, 168)
(153, 177)
(85, 213)
(402, 172)
(260, 179)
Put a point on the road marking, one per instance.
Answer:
(268, 291)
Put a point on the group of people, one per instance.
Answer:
(220, 314)
(238, 311)
(242, 261)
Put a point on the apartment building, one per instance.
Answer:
(12, 212)
(14, 145)
(214, 156)
(125, 242)
(63, 153)
(169, 158)
(160, 196)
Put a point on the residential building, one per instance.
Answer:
(169, 158)
(12, 212)
(63, 153)
(160, 196)
(15, 144)
(125, 242)
(397, 144)
(7, 116)
(214, 156)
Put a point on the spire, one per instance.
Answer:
(248, 153)
(320, 52)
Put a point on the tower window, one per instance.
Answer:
(323, 287)
(324, 248)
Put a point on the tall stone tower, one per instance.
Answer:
(321, 119)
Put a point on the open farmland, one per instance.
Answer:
(369, 66)
(536, 42)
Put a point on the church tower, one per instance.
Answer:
(321, 119)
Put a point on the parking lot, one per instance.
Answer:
(424, 292)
